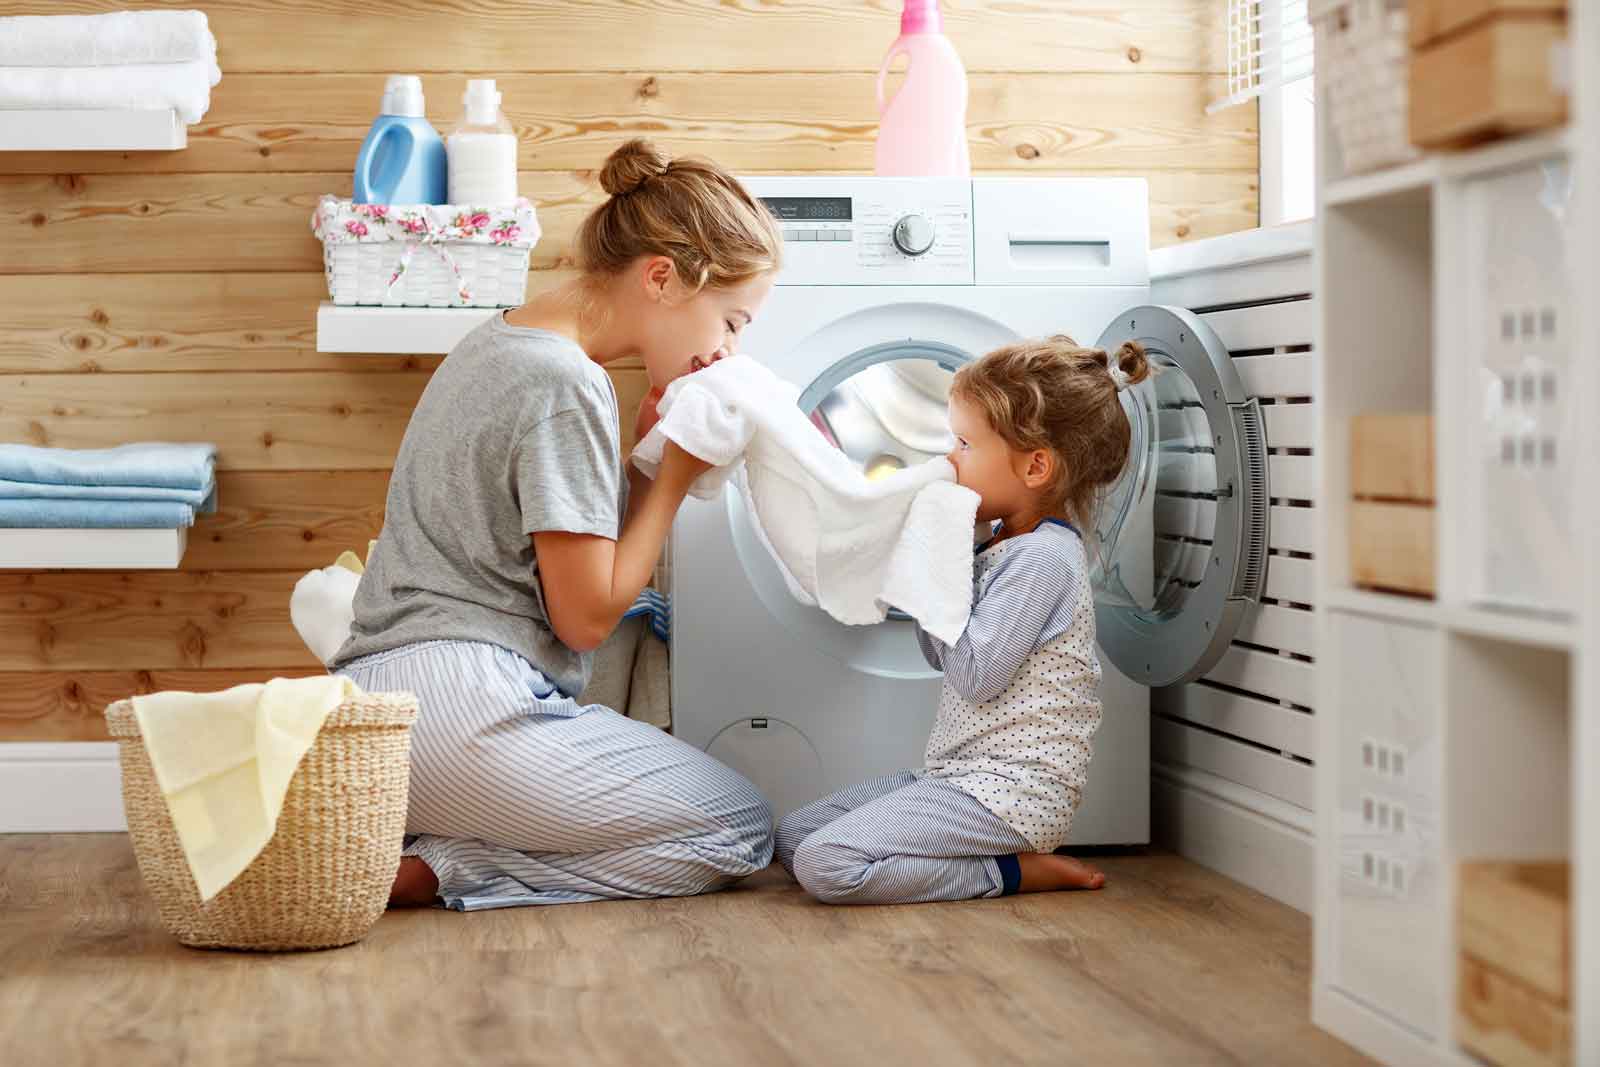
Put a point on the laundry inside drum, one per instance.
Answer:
(889, 415)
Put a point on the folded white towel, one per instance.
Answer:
(185, 87)
(322, 607)
(106, 40)
(851, 546)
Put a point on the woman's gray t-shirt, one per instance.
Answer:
(515, 433)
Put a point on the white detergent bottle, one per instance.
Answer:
(482, 150)
(922, 130)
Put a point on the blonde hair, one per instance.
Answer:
(1054, 394)
(689, 210)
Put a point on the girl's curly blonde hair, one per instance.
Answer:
(1053, 393)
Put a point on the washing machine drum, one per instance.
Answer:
(1179, 549)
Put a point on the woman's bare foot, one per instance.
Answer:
(1043, 872)
(414, 886)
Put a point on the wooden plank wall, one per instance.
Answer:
(172, 295)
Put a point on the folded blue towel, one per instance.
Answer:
(95, 514)
(658, 607)
(195, 498)
(160, 465)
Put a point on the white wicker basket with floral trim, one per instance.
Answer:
(425, 255)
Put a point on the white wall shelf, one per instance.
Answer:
(91, 130)
(394, 330)
(117, 550)
(1397, 181)
(1493, 714)
(1391, 606)
(1513, 627)
(1422, 175)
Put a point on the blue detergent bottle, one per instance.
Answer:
(402, 160)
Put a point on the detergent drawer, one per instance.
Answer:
(1061, 231)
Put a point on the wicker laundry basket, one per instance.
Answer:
(324, 878)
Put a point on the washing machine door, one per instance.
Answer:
(1182, 537)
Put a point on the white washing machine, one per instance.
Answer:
(888, 286)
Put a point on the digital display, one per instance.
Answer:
(809, 208)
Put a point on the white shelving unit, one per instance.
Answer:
(116, 550)
(394, 330)
(1481, 721)
(92, 130)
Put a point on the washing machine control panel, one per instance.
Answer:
(873, 231)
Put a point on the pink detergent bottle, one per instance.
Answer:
(922, 131)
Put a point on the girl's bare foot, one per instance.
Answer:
(414, 886)
(1043, 872)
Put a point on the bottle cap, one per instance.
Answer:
(402, 95)
(921, 16)
(482, 101)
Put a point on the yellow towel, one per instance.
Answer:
(224, 760)
(352, 562)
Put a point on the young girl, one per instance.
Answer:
(513, 543)
(1040, 432)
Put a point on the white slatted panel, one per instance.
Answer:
(1250, 709)
(1268, 723)
(1286, 374)
(1289, 425)
(1271, 773)
(1291, 578)
(1274, 626)
(1289, 528)
(1290, 477)
(1249, 268)
(1266, 673)
(1270, 326)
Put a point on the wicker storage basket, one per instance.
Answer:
(324, 878)
(425, 255)
(1362, 60)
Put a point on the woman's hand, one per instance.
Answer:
(647, 417)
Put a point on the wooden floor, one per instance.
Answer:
(1170, 964)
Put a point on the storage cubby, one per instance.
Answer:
(1376, 269)
(1460, 286)
(1390, 882)
(1508, 710)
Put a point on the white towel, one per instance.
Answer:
(112, 39)
(851, 546)
(322, 607)
(224, 762)
(184, 87)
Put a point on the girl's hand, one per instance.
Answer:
(647, 416)
(680, 467)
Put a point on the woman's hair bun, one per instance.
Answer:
(632, 165)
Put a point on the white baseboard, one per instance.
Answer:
(1252, 838)
(1378, 1036)
(69, 787)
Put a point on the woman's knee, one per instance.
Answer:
(743, 842)
(831, 872)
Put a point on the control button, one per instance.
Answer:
(805, 235)
(913, 234)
